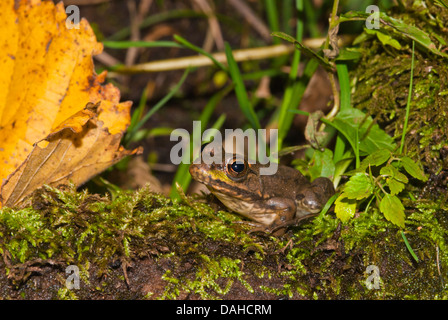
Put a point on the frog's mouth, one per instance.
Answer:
(217, 182)
(232, 196)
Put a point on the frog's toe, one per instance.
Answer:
(275, 231)
(256, 227)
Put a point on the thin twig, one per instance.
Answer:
(202, 61)
(336, 98)
(131, 54)
(213, 23)
(438, 265)
(259, 26)
(136, 17)
(107, 59)
(332, 39)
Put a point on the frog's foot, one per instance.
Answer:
(260, 228)
(255, 226)
(275, 229)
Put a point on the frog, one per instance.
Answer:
(271, 202)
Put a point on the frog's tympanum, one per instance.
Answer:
(272, 201)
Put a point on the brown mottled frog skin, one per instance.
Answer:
(272, 201)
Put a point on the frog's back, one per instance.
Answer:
(286, 182)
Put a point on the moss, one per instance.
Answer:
(381, 89)
(185, 249)
(382, 84)
(98, 234)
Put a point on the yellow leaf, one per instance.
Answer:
(67, 156)
(49, 92)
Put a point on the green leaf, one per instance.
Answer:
(393, 172)
(358, 187)
(376, 158)
(346, 54)
(395, 186)
(395, 179)
(393, 210)
(406, 30)
(400, 176)
(384, 37)
(323, 165)
(344, 208)
(413, 169)
(354, 125)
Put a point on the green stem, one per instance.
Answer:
(408, 105)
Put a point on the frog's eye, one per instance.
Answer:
(236, 168)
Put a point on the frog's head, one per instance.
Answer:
(227, 174)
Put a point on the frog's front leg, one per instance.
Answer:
(281, 211)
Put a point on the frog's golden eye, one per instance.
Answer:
(236, 168)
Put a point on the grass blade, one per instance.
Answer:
(345, 103)
(294, 91)
(344, 83)
(136, 116)
(296, 96)
(323, 61)
(409, 247)
(191, 46)
(159, 105)
(182, 176)
(272, 15)
(139, 44)
(408, 104)
(240, 89)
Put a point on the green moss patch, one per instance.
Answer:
(141, 245)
